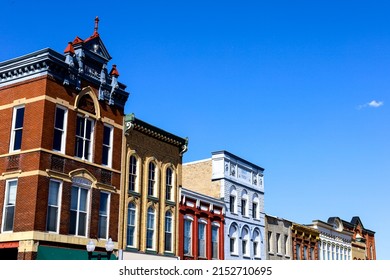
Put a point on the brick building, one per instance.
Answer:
(304, 242)
(201, 227)
(150, 198)
(363, 240)
(60, 158)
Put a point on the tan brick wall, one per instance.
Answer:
(197, 177)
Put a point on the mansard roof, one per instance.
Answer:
(355, 221)
(131, 122)
(254, 166)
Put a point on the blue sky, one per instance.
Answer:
(298, 87)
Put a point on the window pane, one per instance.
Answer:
(102, 227)
(54, 189)
(19, 118)
(105, 155)
(82, 223)
(60, 116)
(103, 204)
(52, 214)
(57, 140)
(106, 135)
(88, 130)
(18, 140)
(72, 222)
(80, 127)
(83, 199)
(9, 218)
(12, 186)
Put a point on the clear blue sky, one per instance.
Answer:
(298, 87)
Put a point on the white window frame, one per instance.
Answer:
(188, 220)
(245, 242)
(132, 174)
(84, 138)
(15, 129)
(217, 226)
(169, 185)
(168, 231)
(152, 181)
(129, 224)
(202, 222)
(105, 216)
(257, 241)
(63, 130)
(78, 211)
(108, 146)
(58, 206)
(8, 205)
(233, 236)
(233, 194)
(151, 228)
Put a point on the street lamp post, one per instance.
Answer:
(91, 247)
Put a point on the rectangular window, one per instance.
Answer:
(254, 210)
(132, 174)
(150, 230)
(168, 232)
(53, 206)
(131, 225)
(107, 145)
(244, 243)
(78, 211)
(84, 136)
(270, 241)
(104, 215)
(286, 249)
(9, 205)
(312, 253)
(243, 207)
(187, 237)
(232, 203)
(214, 242)
(298, 251)
(151, 178)
(232, 245)
(202, 240)
(17, 129)
(278, 243)
(255, 248)
(305, 252)
(59, 129)
(168, 184)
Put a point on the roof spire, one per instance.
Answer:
(96, 25)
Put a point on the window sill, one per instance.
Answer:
(234, 254)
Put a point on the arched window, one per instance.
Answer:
(168, 184)
(131, 225)
(168, 231)
(233, 200)
(245, 242)
(133, 174)
(244, 203)
(202, 238)
(150, 226)
(255, 207)
(215, 240)
(152, 179)
(188, 220)
(233, 239)
(256, 243)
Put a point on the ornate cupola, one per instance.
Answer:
(88, 59)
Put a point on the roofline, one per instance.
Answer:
(239, 158)
(155, 131)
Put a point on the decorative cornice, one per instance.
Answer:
(68, 70)
(132, 123)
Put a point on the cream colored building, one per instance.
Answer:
(150, 196)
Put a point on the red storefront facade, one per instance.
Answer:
(201, 227)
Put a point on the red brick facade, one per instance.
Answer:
(35, 163)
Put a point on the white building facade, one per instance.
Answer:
(335, 241)
(240, 185)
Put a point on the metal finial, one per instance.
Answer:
(96, 24)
